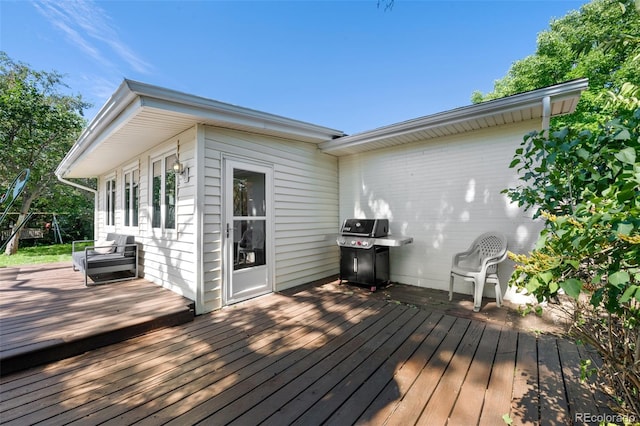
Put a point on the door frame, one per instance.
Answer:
(230, 162)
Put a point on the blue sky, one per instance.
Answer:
(348, 65)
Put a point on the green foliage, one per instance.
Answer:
(586, 186)
(599, 42)
(38, 125)
(506, 418)
(586, 370)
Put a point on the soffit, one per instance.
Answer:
(514, 109)
(139, 117)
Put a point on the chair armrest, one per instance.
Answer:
(89, 248)
(462, 255)
(490, 261)
(73, 244)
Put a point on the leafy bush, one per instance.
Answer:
(586, 186)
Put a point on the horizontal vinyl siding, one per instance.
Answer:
(166, 258)
(305, 206)
(212, 230)
(443, 193)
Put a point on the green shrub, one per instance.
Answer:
(586, 186)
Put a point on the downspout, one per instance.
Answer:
(95, 198)
(546, 115)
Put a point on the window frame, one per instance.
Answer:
(110, 199)
(166, 159)
(131, 206)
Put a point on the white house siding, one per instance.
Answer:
(167, 258)
(442, 192)
(305, 207)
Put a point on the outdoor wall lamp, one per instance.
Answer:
(180, 170)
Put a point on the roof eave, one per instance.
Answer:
(557, 93)
(132, 97)
(118, 101)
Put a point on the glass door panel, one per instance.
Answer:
(247, 230)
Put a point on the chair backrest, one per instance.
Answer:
(491, 245)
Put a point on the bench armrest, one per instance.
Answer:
(73, 244)
(87, 249)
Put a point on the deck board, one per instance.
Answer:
(445, 395)
(380, 409)
(411, 408)
(320, 355)
(472, 394)
(499, 391)
(46, 313)
(373, 389)
(553, 401)
(525, 397)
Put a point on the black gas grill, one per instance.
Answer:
(364, 251)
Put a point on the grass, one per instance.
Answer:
(40, 254)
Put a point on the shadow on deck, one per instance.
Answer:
(323, 353)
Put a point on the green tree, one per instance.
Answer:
(583, 178)
(38, 125)
(600, 42)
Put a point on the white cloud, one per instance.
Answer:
(89, 28)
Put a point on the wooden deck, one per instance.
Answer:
(47, 314)
(323, 355)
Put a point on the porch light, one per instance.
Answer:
(177, 167)
(180, 170)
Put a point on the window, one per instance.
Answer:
(131, 197)
(163, 194)
(110, 205)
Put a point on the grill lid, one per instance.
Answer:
(365, 227)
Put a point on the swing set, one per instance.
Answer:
(7, 199)
(10, 197)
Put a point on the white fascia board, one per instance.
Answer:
(241, 117)
(121, 99)
(513, 103)
(132, 96)
(204, 108)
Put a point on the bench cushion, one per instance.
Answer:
(119, 259)
(101, 260)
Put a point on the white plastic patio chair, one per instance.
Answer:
(479, 264)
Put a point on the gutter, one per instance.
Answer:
(111, 109)
(516, 102)
(546, 114)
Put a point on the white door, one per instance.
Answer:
(248, 256)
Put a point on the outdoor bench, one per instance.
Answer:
(117, 253)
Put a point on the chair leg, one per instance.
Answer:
(498, 294)
(450, 287)
(478, 287)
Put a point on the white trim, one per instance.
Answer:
(113, 176)
(199, 217)
(232, 161)
(129, 170)
(161, 231)
(131, 166)
(133, 98)
(528, 100)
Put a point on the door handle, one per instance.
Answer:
(228, 230)
(355, 265)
